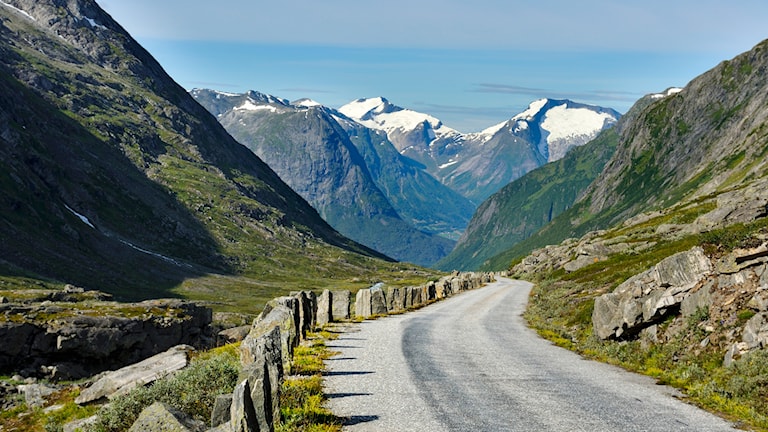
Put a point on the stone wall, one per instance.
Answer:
(266, 353)
(380, 300)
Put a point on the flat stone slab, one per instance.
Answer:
(123, 380)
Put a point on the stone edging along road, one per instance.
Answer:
(470, 363)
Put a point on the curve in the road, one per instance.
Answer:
(471, 363)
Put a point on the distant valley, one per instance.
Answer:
(372, 168)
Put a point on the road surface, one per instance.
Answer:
(469, 363)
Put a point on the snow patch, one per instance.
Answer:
(562, 122)
(308, 103)
(93, 23)
(361, 108)
(450, 162)
(532, 110)
(250, 106)
(18, 10)
(378, 113)
(491, 131)
(163, 257)
(219, 94)
(668, 92)
(81, 217)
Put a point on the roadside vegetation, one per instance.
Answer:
(193, 391)
(691, 356)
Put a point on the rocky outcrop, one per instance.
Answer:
(120, 382)
(160, 417)
(75, 340)
(646, 298)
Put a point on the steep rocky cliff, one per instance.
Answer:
(677, 290)
(308, 148)
(115, 178)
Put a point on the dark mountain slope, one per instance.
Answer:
(312, 153)
(94, 132)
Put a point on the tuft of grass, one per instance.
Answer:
(302, 398)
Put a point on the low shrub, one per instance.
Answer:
(192, 390)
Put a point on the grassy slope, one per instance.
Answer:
(91, 122)
(731, 142)
(525, 205)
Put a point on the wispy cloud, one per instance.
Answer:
(305, 90)
(593, 95)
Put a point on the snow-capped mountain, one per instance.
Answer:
(478, 164)
(562, 125)
(379, 113)
(351, 174)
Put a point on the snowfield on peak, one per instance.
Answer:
(379, 113)
(562, 122)
(249, 105)
(532, 110)
(307, 103)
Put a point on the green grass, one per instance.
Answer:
(192, 390)
(302, 398)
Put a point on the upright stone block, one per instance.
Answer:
(324, 311)
(340, 303)
(378, 301)
(395, 299)
(363, 303)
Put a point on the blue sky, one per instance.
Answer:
(471, 64)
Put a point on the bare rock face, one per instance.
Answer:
(71, 342)
(647, 297)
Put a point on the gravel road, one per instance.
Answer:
(469, 363)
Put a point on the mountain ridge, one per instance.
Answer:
(479, 164)
(314, 154)
(680, 145)
(157, 199)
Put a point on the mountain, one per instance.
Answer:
(522, 207)
(112, 177)
(417, 196)
(479, 164)
(308, 148)
(661, 265)
(679, 146)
